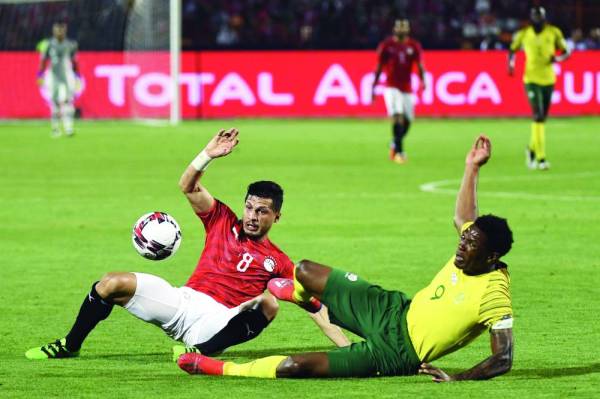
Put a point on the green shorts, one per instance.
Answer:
(540, 98)
(378, 316)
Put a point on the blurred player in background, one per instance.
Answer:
(397, 56)
(60, 52)
(541, 42)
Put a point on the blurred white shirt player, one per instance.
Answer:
(61, 79)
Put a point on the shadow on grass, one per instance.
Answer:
(257, 353)
(545, 373)
(593, 368)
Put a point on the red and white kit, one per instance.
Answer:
(232, 270)
(398, 59)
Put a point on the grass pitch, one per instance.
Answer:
(68, 206)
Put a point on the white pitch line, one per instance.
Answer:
(435, 187)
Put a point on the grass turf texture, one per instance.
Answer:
(68, 206)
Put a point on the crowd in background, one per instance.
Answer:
(293, 24)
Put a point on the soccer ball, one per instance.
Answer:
(156, 236)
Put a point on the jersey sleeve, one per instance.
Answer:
(218, 212)
(496, 305)
(517, 41)
(559, 40)
(286, 270)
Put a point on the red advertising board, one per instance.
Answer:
(292, 83)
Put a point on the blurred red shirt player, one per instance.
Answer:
(397, 56)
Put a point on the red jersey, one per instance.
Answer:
(397, 59)
(233, 268)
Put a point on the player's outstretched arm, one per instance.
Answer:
(376, 80)
(333, 332)
(189, 183)
(511, 63)
(466, 201)
(499, 363)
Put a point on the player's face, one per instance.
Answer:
(59, 31)
(537, 18)
(401, 27)
(472, 254)
(259, 216)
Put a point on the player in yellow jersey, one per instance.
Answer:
(541, 42)
(468, 296)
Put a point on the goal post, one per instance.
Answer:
(175, 59)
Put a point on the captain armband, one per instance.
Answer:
(505, 322)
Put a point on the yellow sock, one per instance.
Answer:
(260, 368)
(533, 137)
(300, 293)
(540, 152)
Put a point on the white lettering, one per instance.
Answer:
(266, 94)
(335, 83)
(194, 82)
(441, 88)
(483, 87)
(587, 91)
(366, 84)
(152, 98)
(232, 88)
(116, 75)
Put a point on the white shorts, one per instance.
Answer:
(61, 91)
(183, 313)
(398, 102)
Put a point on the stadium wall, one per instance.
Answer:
(292, 83)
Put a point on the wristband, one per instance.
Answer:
(200, 163)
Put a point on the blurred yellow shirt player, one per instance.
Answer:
(541, 42)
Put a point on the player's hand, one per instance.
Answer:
(372, 94)
(438, 375)
(480, 152)
(223, 143)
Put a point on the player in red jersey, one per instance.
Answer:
(397, 56)
(223, 303)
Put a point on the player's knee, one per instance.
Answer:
(304, 271)
(269, 307)
(291, 367)
(116, 284)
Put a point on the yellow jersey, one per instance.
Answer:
(456, 308)
(539, 49)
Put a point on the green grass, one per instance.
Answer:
(68, 205)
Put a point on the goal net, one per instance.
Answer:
(130, 48)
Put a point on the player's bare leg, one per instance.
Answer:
(55, 119)
(306, 287)
(68, 112)
(306, 365)
(400, 128)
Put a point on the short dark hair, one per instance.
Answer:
(499, 236)
(267, 189)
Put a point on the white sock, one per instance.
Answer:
(67, 116)
(55, 118)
